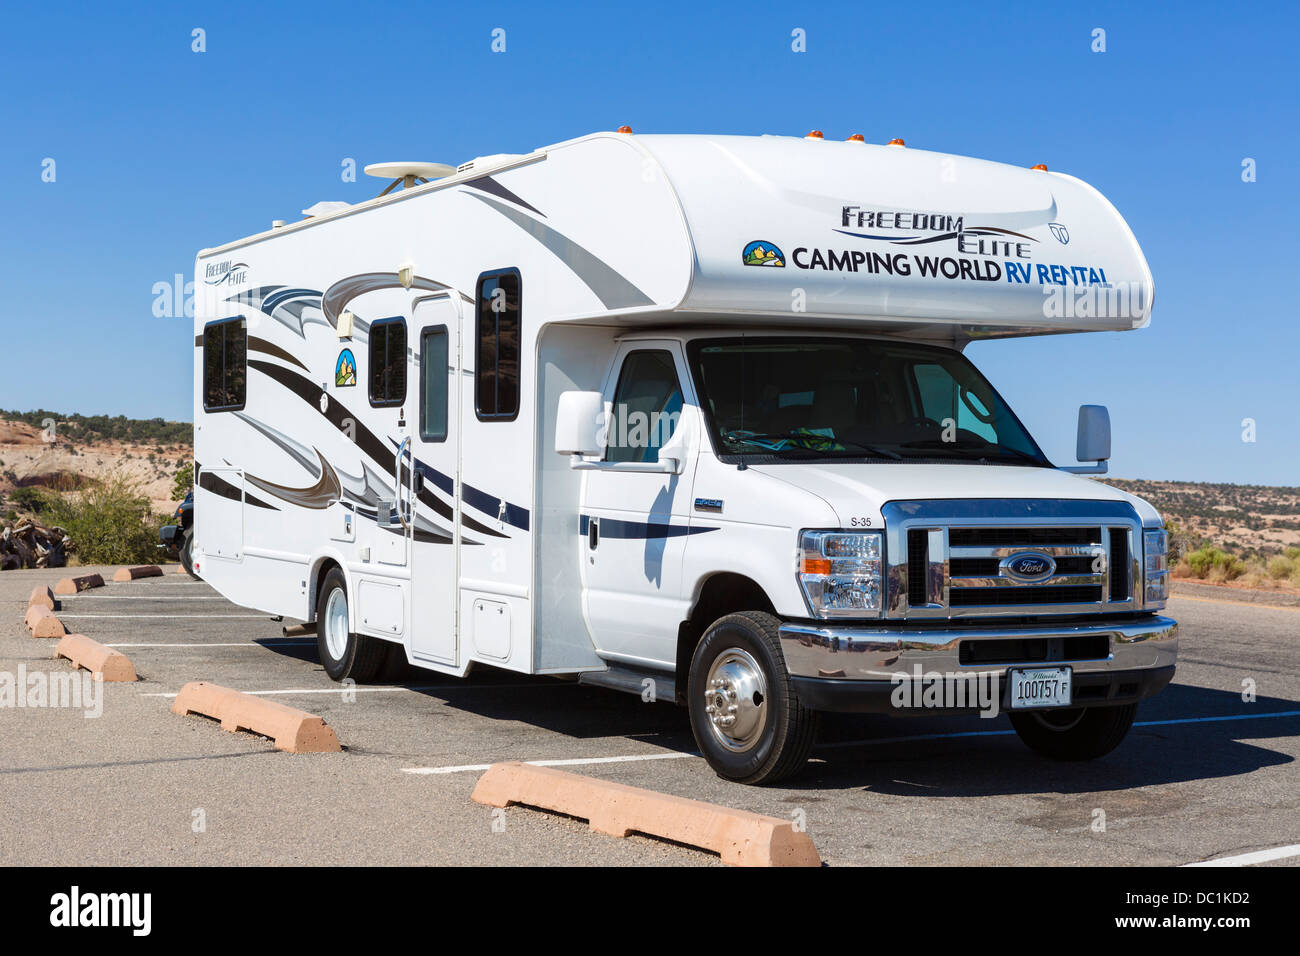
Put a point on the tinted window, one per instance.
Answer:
(388, 362)
(647, 406)
(496, 366)
(225, 365)
(433, 384)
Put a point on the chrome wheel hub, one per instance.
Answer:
(336, 624)
(735, 700)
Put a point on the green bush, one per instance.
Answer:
(1292, 553)
(31, 499)
(109, 523)
(1281, 567)
(1210, 562)
(184, 481)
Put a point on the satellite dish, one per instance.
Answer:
(408, 174)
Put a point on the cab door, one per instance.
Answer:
(636, 524)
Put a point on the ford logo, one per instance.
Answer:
(1027, 567)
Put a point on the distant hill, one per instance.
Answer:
(86, 447)
(1243, 519)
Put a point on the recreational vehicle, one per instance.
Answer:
(687, 416)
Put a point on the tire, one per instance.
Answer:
(771, 732)
(344, 654)
(1074, 734)
(186, 555)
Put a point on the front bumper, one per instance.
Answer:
(843, 667)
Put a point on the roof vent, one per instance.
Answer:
(324, 209)
(486, 162)
(407, 175)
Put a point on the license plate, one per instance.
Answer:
(1041, 687)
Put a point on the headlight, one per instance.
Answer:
(1155, 555)
(841, 573)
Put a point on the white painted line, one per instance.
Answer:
(87, 596)
(365, 690)
(165, 617)
(1250, 859)
(1004, 733)
(271, 642)
(572, 762)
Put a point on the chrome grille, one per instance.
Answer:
(951, 556)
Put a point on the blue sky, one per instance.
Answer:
(161, 151)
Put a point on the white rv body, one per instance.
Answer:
(621, 245)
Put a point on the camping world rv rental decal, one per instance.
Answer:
(345, 370)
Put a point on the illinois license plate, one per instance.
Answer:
(1040, 687)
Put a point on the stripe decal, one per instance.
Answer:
(338, 415)
(219, 486)
(490, 185)
(638, 530)
(612, 288)
(270, 348)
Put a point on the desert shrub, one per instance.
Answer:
(184, 481)
(1281, 567)
(32, 500)
(1292, 553)
(109, 523)
(1209, 562)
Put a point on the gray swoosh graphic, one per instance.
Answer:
(613, 290)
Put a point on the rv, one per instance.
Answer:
(687, 416)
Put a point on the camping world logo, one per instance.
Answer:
(762, 253)
(1060, 232)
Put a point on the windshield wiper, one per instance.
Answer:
(734, 437)
(990, 450)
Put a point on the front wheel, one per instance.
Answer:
(1080, 733)
(747, 720)
(344, 654)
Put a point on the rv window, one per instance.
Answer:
(647, 405)
(387, 362)
(433, 384)
(496, 366)
(225, 365)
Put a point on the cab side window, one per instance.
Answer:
(497, 333)
(647, 407)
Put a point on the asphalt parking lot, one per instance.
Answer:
(1204, 775)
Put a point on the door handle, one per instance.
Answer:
(593, 534)
(397, 483)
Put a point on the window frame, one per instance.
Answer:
(478, 338)
(445, 332)
(370, 357)
(230, 320)
(637, 350)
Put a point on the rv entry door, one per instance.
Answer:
(435, 487)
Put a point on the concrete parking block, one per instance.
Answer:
(292, 730)
(133, 574)
(740, 837)
(41, 622)
(43, 596)
(104, 662)
(78, 584)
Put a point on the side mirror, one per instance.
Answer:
(580, 424)
(1094, 440)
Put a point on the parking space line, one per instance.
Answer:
(571, 762)
(137, 597)
(1259, 605)
(371, 690)
(1249, 859)
(1005, 733)
(269, 642)
(164, 616)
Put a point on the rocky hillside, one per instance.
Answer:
(78, 450)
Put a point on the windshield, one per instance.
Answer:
(815, 399)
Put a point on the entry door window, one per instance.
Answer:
(433, 384)
(647, 407)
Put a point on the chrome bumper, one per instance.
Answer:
(877, 653)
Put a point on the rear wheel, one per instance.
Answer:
(186, 552)
(747, 720)
(1079, 733)
(344, 654)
